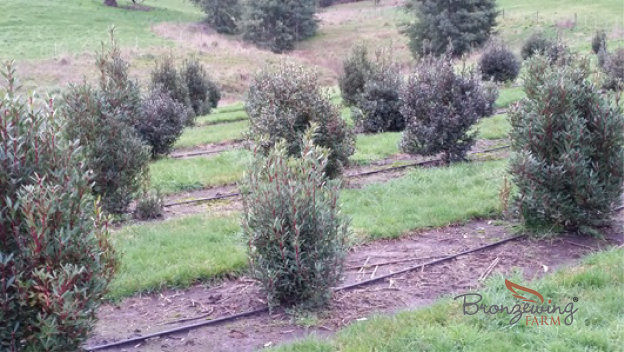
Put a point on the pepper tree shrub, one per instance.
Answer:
(284, 101)
(55, 256)
(161, 121)
(450, 25)
(599, 41)
(356, 69)
(203, 92)
(567, 139)
(537, 43)
(379, 106)
(440, 107)
(222, 15)
(279, 24)
(102, 120)
(166, 77)
(613, 68)
(498, 63)
(293, 223)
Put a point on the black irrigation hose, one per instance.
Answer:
(367, 173)
(264, 309)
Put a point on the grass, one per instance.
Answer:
(43, 28)
(176, 253)
(370, 147)
(425, 198)
(177, 175)
(598, 283)
(199, 135)
(507, 96)
(229, 113)
(495, 127)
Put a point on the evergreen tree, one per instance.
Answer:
(455, 25)
(279, 24)
(222, 15)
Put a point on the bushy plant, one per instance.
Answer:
(450, 25)
(498, 63)
(599, 41)
(222, 15)
(356, 69)
(613, 68)
(440, 108)
(292, 221)
(279, 24)
(102, 120)
(379, 107)
(284, 101)
(537, 43)
(203, 92)
(161, 121)
(165, 76)
(567, 138)
(149, 205)
(55, 256)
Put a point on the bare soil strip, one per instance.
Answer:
(207, 149)
(156, 312)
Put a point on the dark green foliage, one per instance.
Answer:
(498, 63)
(102, 120)
(283, 102)
(599, 41)
(222, 15)
(440, 107)
(279, 24)
(161, 121)
(450, 25)
(379, 107)
(356, 70)
(325, 3)
(165, 76)
(568, 162)
(613, 68)
(203, 92)
(55, 256)
(292, 221)
(537, 43)
(149, 206)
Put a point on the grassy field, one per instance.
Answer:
(495, 127)
(199, 135)
(598, 324)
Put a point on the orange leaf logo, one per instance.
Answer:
(513, 287)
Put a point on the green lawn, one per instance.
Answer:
(229, 113)
(598, 324)
(177, 175)
(199, 135)
(176, 253)
(44, 28)
(507, 96)
(495, 127)
(370, 147)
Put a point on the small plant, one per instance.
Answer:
(56, 257)
(149, 205)
(166, 77)
(613, 68)
(537, 43)
(222, 15)
(102, 121)
(599, 41)
(356, 69)
(440, 107)
(296, 233)
(567, 138)
(161, 121)
(284, 101)
(203, 92)
(498, 63)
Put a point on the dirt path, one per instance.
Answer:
(151, 313)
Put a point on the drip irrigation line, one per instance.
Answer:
(367, 173)
(233, 317)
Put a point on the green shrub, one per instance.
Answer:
(102, 120)
(613, 68)
(149, 206)
(161, 121)
(599, 41)
(537, 43)
(498, 63)
(379, 107)
(440, 107)
(356, 69)
(55, 256)
(450, 25)
(222, 15)
(166, 77)
(567, 139)
(203, 92)
(295, 230)
(279, 24)
(284, 101)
